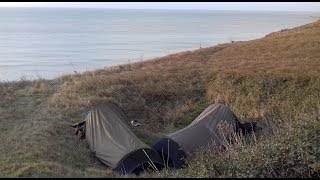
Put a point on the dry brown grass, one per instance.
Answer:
(35, 143)
(272, 80)
(289, 53)
(158, 93)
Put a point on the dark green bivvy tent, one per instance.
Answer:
(213, 127)
(111, 140)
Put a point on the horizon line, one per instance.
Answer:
(100, 8)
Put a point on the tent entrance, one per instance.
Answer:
(138, 161)
(172, 154)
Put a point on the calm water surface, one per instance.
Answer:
(49, 42)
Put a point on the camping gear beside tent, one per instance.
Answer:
(114, 143)
(214, 126)
(79, 129)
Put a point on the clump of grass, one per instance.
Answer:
(291, 153)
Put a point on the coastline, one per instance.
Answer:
(273, 81)
(97, 49)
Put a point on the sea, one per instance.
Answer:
(50, 42)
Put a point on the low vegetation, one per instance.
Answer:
(273, 80)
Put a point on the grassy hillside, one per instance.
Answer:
(273, 80)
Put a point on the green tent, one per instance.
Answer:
(213, 127)
(111, 140)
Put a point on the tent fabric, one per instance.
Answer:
(111, 139)
(137, 161)
(172, 154)
(214, 126)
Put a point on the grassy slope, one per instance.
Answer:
(273, 80)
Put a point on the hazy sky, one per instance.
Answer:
(275, 6)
